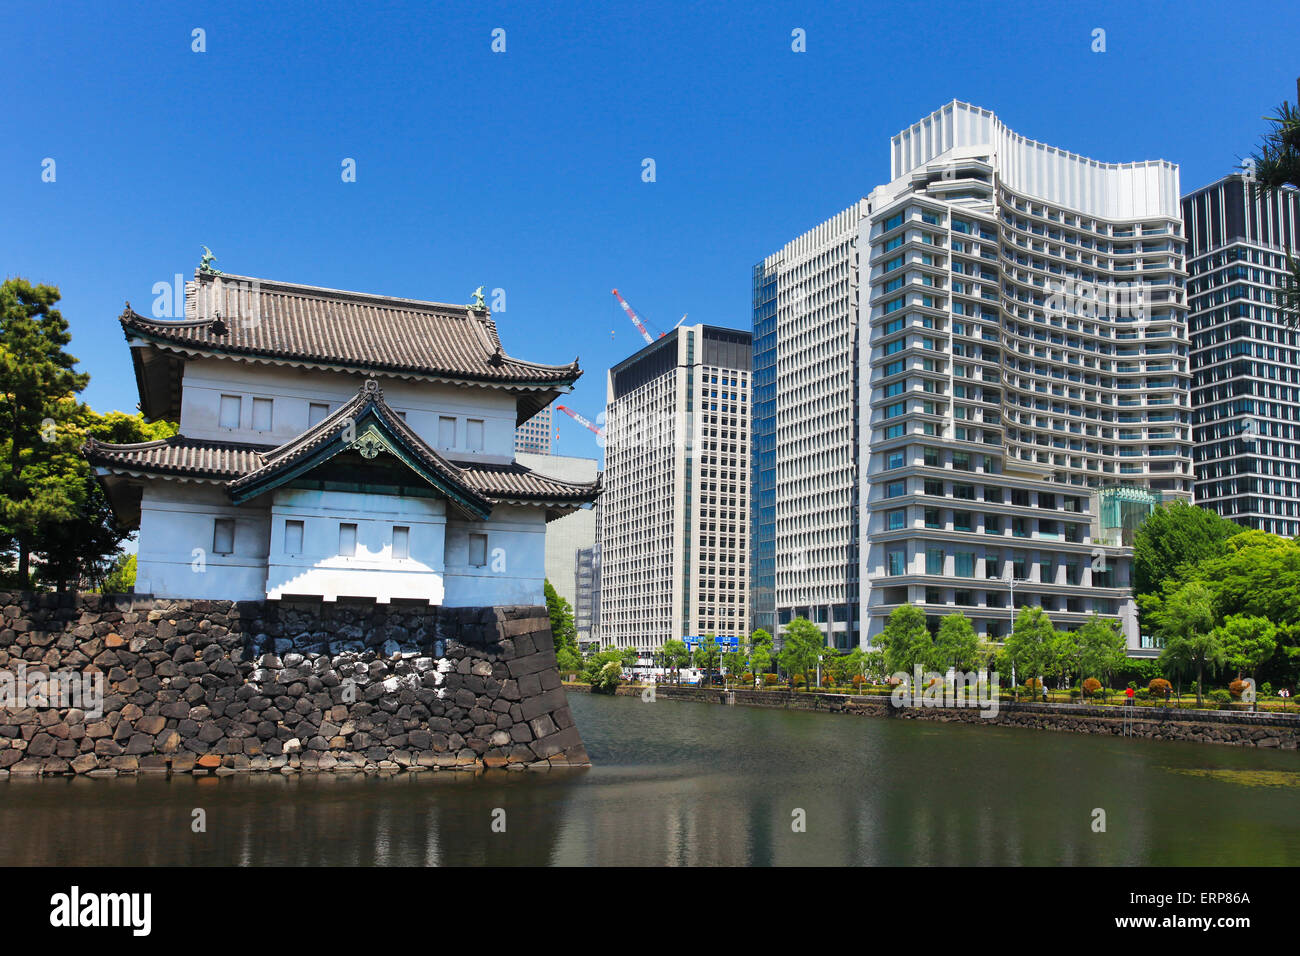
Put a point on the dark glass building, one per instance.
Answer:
(1245, 358)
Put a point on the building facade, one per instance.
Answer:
(534, 436)
(805, 467)
(334, 445)
(1025, 374)
(566, 536)
(1245, 357)
(674, 523)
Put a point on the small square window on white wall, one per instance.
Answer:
(474, 434)
(316, 412)
(223, 536)
(262, 414)
(293, 537)
(478, 550)
(230, 411)
(401, 542)
(347, 540)
(446, 432)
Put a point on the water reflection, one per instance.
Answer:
(693, 785)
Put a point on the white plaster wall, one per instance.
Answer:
(176, 518)
(516, 559)
(372, 572)
(293, 390)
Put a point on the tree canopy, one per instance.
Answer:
(51, 506)
(1173, 538)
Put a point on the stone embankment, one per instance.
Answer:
(1235, 728)
(220, 686)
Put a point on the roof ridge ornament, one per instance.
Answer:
(370, 389)
(478, 305)
(205, 264)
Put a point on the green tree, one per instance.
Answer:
(1031, 647)
(595, 662)
(82, 549)
(707, 655)
(121, 576)
(1248, 643)
(567, 661)
(1277, 166)
(1185, 620)
(906, 640)
(676, 655)
(956, 645)
(1102, 649)
(38, 385)
(760, 652)
(1173, 538)
(802, 648)
(853, 664)
(564, 631)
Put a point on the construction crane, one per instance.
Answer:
(636, 320)
(600, 432)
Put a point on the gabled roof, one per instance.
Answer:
(368, 424)
(282, 323)
(365, 423)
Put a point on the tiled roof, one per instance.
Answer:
(277, 321)
(514, 482)
(178, 455)
(244, 467)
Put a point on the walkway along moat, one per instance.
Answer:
(1237, 728)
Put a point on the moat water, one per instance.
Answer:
(677, 783)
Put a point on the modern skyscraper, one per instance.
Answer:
(996, 339)
(674, 523)
(1245, 358)
(1025, 378)
(534, 435)
(805, 475)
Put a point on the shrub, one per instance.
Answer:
(747, 677)
(858, 681)
(1160, 687)
(607, 679)
(1142, 693)
(1220, 696)
(1266, 689)
(797, 680)
(1091, 686)
(770, 679)
(1033, 684)
(1236, 688)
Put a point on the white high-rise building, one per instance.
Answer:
(971, 382)
(1024, 374)
(674, 524)
(805, 482)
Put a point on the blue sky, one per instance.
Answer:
(522, 170)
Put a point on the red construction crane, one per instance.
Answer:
(600, 432)
(636, 320)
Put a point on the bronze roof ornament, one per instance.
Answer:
(205, 264)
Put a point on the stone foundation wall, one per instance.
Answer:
(220, 686)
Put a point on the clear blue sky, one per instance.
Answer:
(523, 170)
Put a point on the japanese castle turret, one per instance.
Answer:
(334, 445)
